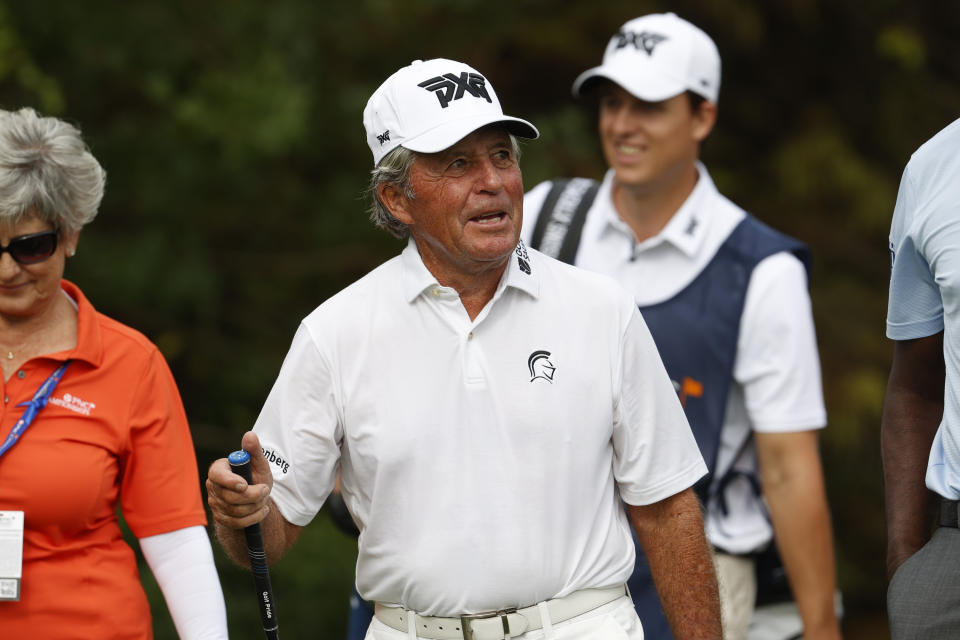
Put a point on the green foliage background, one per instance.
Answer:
(231, 133)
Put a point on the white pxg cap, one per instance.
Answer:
(430, 105)
(657, 57)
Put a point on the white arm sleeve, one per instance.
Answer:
(182, 563)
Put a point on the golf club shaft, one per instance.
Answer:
(258, 557)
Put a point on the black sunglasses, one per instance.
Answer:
(33, 247)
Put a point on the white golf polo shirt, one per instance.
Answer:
(481, 459)
(776, 387)
(924, 285)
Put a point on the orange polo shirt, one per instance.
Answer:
(114, 433)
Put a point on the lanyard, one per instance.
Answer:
(33, 407)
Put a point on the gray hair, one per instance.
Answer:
(394, 169)
(47, 170)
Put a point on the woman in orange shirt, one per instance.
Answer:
(91, 420)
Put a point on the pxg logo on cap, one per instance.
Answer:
(428, 106)
(642, 41)
(450, 87)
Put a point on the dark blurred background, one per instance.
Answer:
(231, 133)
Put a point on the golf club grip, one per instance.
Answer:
(240, 465)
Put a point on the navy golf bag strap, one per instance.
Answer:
(696, 333)
(560, 221)
(718, 492)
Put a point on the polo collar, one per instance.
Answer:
(686, 229)
(521, 273)
(89, 341)
(416, 277)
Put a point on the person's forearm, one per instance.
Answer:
(912, 409)
(801, 522)
(671, 534)
(274, 530)
(235, 503)
(908, 428)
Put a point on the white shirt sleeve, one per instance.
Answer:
(300, 430)
(915, 306)
(655, 453)
(777, 362)
(182, 563)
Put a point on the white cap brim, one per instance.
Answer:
(652, 87)
(449, 133)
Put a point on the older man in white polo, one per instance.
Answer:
(488, 407)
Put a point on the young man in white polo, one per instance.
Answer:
(487, 407)
(726, 300)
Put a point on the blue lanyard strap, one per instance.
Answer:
(33, 407)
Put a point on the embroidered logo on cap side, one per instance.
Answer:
(384, 137)
(642, 41)
(450, 87)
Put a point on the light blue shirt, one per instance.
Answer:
(925, 282)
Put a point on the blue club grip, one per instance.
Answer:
(240, 464)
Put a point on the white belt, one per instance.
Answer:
(497, 625)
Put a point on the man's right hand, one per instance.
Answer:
(233, 502)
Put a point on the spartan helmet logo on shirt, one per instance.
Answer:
(450, 87)
(540, 366)
(642, 41)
